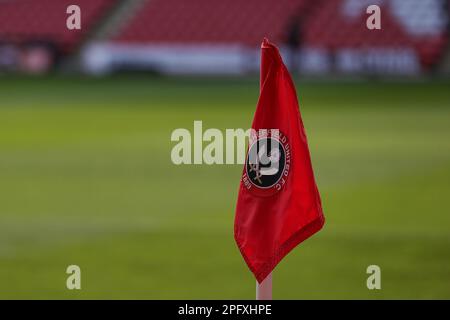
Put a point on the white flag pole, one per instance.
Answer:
(264, 289)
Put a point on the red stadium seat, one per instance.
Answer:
(29, 20)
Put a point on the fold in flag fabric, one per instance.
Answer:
(278, 204)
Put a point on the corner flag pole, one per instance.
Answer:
(264, 289)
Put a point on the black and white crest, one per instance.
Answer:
(267, 163)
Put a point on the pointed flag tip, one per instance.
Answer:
(265, 43)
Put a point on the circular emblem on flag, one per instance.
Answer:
(268, 162)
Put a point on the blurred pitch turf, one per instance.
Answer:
(86, 179)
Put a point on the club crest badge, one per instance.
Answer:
(268, 162)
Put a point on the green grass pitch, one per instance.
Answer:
(86, 179)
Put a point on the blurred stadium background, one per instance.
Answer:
(222, 37)
(85, 123)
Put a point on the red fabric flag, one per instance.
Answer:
(278, 204)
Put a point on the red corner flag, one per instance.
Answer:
(278, 205)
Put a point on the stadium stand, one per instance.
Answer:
(417, 25)
(216, 36)
(22, 21)
(413, 36)
(211, 21)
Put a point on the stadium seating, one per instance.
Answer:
(211, 21)
(418, 25)
(31, 20)
(418, 29)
